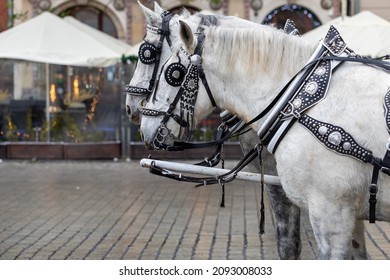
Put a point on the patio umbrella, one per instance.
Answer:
(365, 33)
(49, 39)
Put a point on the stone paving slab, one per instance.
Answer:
(117, 210)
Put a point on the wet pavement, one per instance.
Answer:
(117, 210)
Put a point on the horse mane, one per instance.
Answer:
(258, 49)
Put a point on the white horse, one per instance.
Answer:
(245, 69)
(286, 215)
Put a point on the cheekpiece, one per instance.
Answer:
(174, 74)
(335, 138)
(147, 53)
(333, 42)
(190, 89)
(386, 106)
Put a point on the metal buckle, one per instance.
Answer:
(373, 189)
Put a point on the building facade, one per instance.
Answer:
(21, 92)
(124, 19)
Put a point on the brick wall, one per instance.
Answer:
(3, 15)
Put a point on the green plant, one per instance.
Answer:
(11, 129)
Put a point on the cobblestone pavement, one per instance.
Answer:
(117, 210)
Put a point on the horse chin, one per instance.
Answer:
(135, 119)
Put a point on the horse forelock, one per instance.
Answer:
(258, 49)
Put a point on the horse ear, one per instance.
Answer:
(157, 8)
(186, 34)
(152, 18)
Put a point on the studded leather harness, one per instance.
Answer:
(305, 90)
(310, 89)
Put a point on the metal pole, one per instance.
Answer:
(48, 102)
(210, 171)
(357, 7)
(10, 4)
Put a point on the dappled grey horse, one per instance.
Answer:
(252, 66)
(287, 215)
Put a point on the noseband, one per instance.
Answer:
(149, 54)
(187, 95)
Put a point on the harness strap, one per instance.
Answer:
(164, 33)
(202, 76)
(198, 51)
(204, 181)
(336, 139)
(374, 189)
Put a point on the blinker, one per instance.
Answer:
(147, 53)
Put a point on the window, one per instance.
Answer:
(94, 18)
(303, 18)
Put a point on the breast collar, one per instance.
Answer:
(307, 89)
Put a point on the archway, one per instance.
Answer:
(94, 14)
(304, 18)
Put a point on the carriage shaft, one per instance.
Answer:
(211, 171)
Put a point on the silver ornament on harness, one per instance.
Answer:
(347, 146)
(147, 54)
(335, 138)
(176, 74)
(322, 130)
(311, 88)
(196, 59)
(320, 71)
(297, 102)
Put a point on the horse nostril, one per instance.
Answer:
(142, 136)
(128, 110)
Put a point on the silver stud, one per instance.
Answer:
(191, 84)
(320, 71)
(311, 88)
(335, 138)
(196, 59)
(176, 74)
(347, 146)
(322, 130)
(297, 102)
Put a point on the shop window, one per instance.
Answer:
(304, 19)
(84, 104)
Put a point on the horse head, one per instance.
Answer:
(161, 34)
(170, 112)
(154, 50)
(158, 45)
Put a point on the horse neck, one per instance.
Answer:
(251, 67)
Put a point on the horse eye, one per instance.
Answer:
(174, 74)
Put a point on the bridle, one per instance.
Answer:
(176, 74)
(149, 53)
